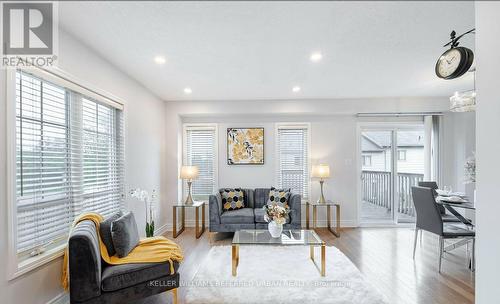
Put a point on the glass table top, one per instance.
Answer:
(194, 204)
(320, 204)
(288, 237)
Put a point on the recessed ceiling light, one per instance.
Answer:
(296, 89)
(316, 56)
(188, 90)
(160, 60)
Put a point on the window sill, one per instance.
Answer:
(37, 261)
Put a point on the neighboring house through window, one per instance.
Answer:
(293, 158)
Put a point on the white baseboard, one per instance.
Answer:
(320, 223)
(324, 223)
(162, 229)
(62, 298)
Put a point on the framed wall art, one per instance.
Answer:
(245, 146)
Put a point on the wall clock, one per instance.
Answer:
(456, 61)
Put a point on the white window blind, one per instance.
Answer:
(200, 150)
(293, 167)
(69, 159)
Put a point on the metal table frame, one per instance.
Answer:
(335, 231)
(235, 256)
(182, 206)
(465, 241)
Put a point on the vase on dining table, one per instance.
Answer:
(275, 229)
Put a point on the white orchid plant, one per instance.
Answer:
(276, 213)
(149, 204)
(470, 169)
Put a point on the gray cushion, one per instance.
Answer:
(249, 198)
(451, 231)
(239, 216)
(125, 234)
(261, 195)
(105, 232)
(115, 277)
(259, 216)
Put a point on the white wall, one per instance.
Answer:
(459, 141)
(144, 148)
(488, 150)
(333, 140)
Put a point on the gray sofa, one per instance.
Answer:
(252, 216)
(93, 281)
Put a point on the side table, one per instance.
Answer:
(183, 206)
(328, 205)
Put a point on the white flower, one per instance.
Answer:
(470, 169)
(144, 195)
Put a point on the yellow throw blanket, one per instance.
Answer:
(150, 250)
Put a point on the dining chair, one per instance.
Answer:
(429, 219)
(447, 218)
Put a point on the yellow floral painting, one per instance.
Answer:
(245, 146)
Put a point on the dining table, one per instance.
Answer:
(452, 205)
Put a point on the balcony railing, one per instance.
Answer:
(377, 189)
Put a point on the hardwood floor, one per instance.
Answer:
(383, 255)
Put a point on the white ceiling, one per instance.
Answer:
(259, 50)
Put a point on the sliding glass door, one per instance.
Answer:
(392, 161)
(410, 162)
(377, 176)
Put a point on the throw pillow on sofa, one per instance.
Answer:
(279, 197)
(232, 199)
(125, 234)
(105, 232)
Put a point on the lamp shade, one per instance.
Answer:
(321, 171)
(189, 172)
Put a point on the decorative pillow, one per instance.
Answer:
(105, 232)
(232, 199)
(279, 197)
(124, 234)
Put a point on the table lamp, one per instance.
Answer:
(321, 171)
(189, 173)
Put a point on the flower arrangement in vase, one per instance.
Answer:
(149, 205)
(276, 216)
(470, 169)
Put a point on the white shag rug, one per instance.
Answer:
(272, 274)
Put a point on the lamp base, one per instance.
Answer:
(321, 199)
(189, 198)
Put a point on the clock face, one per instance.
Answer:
(448, 63)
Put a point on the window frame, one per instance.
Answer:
(198, 126)
(402, 152)
(293, 125)
(369, 157)
(15, 267)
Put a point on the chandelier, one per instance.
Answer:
(464, 101)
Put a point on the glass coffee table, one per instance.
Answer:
(288, 238)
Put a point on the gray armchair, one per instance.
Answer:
(92, 281)
(252, 216)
